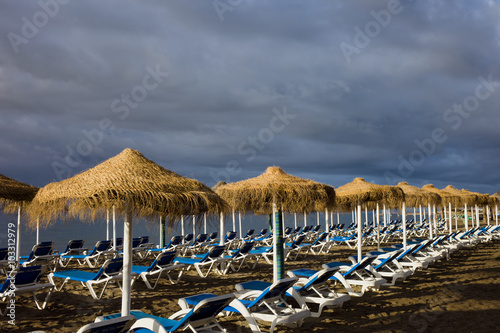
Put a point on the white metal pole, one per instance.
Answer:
(295, 219)
(205, 223)
(194, 226)
(18, 234)
(234, 222)
(107, 224)
(221, 229)
(466, 220)
(366, 217)
(127, 260)
(488, 215)
(327, 227)
(450, 217)
(430, 220)
(305, 219)
(421, 217)
(317, 218)
(434, 218)
(378, 227)
(472, 217)
(114, 227)
(403, 213)
(496, 214)
(360, 232)
(477, 216)
(37, 230)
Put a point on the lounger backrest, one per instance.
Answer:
(277, 289)
(320, 238)
(262, 232)
(136, 241)
(143, 240)
(206, 309)
(216, 251)
(175, 240)
(230, 235)
(213, 236)
(74, 244)
(320, 277)
(245, 248)
(164, 259)
(298, 241)
(201, 238)
(188, 238)
(115, 325)
(119, 241)
(102, 246)
(110, 267)
(28, 275)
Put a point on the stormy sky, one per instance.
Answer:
(219, 90)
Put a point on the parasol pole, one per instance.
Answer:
(37, 230)
(450, 217)
(378, 227)
(430, 221)
(221, 228)
(456, 219)
(127, 260)
(360, 232)
(317, 218)
(114, 227)
(239, 222)
(421, 217)
(194, 226)
(107, 224)
(234, 222)
(487, 215)
(496, 214)
(366, 217)
(477, 215)
(18, 235)
(466, 220)
(205, 223)
(327, 228)
(403, 213)
(295, 217)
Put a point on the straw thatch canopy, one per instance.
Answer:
(15, 192)
(481, 199)
(462, 197)
(291, 193)
(219, 184)
(496, 197)
(363, 192)
(415, 196)
(150, 189)
(446, 197)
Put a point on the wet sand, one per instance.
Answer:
(459, 295)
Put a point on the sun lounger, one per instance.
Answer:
(74, 246)
(314, 289)
(41, 254)
(261, 301)
(111, 271)
(101, 250)
(163, 264)
(209, 260)
(237, 258)
(201, 318)
(26, 279)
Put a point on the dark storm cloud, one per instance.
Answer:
(217, 93)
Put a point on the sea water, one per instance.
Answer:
(91, 232)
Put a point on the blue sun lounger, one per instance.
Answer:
(210, 259)
(163, 263)
(260, 301)
(101, 249)
(201, 318)
(111, 271)
(26, 279)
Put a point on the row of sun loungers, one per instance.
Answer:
(312, 289)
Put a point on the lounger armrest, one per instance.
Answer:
(149, 324)
(244, 294)
(179, 314)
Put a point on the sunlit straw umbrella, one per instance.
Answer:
(15, 196)
(275, 191)
(133, 184)
(360, 192)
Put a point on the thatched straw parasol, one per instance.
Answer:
(447, 199)
(13, 191)
(496, 196)
(136, 186)
(14, 196)
(359, 192)
(415, 196)
(274, 190)
(292, 194)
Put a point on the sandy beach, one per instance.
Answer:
(459, 295)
